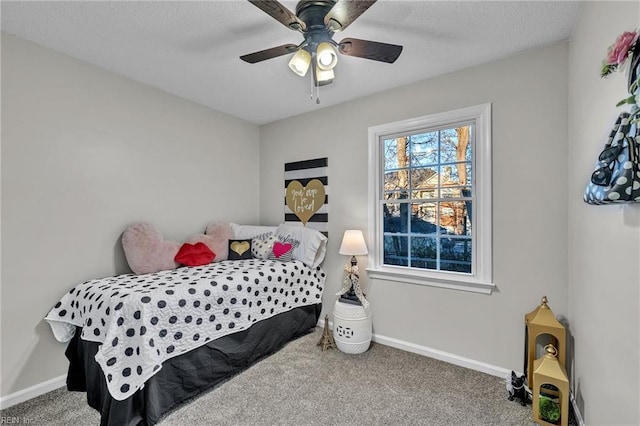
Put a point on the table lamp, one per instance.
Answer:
(353, 245)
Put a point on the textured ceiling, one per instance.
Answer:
(192, 49)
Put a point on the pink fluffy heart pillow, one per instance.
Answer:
(146, 251)
(217, 238)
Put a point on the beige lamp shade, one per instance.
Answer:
(300, 62)
(353, 243)
(324, 77)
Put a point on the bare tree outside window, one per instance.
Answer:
(428, 198)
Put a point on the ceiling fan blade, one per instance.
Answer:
(273, 52)
(280, 13)
(367, 49)
(344, 12)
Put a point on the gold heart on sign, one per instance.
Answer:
(304, 201)
(240, 247)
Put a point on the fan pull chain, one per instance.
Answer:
(315, 89)
(311, 85)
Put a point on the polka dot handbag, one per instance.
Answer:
(616, 178)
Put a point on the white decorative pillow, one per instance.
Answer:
(248, 232)
(309, 245)
(260, 248)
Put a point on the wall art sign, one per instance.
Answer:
(306, 197)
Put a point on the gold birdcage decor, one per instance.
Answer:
(551, 391)
(541, 328)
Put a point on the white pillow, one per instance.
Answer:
(248, 232)
(262, 248)
(309, 245)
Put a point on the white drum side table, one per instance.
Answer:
(351, 327)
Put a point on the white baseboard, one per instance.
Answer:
(437, 354)
(456, 360)
(32, 392)
(463, 362)
(443, 356)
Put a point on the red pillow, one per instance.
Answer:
(194, 254)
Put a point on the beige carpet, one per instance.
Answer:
(301, 385)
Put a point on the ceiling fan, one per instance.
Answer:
(318, 20)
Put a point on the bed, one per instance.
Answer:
(140, 345)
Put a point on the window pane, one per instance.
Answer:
(455, 174)
(395, 250)
(455, 255)
(424, 182)
(448, 146)
(395, 180)
(424, 149)
(465, 136)
(424, 218)
(396, 154)
(468, 155)
(396, 217)
(454, 218)
(424, 194)
(390, 154)
(424, 252)
(395, 195)
(455, 192)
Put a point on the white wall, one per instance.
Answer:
(85, 153)
(529, 97)
(604, 241)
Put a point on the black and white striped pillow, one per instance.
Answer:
(282, 252)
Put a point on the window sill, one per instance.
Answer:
(470, 284)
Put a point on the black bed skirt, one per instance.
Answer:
(185, 376)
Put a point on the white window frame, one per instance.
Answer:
(480, 279)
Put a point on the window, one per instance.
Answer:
(430, 200)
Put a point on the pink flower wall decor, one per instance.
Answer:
(619, 51)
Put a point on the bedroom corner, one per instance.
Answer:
(85, 153)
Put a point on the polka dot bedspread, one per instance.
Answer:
(143, 320)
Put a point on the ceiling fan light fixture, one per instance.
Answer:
(326, 55)
(300, 62)
(324, 77)
(318, 20)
